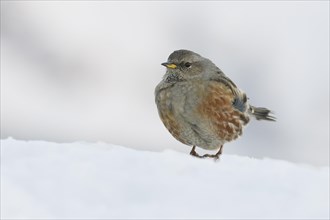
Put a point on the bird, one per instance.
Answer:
(200, 106)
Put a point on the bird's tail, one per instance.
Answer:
(262, 113)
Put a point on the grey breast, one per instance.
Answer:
(184, 101)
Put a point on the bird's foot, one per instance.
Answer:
(194, 153)
(215, 156)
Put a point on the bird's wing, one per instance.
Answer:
(239, 98)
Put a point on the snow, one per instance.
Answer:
(96, 180)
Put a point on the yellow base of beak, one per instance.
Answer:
(170, 65)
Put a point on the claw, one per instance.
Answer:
(194, 153)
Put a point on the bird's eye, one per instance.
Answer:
(187, 64)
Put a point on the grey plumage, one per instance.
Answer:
(200, 105)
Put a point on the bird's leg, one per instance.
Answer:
(219, 151)
(215, 156)
(194, 153)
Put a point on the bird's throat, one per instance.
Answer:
(173, 78)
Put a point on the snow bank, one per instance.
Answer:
(96, 180)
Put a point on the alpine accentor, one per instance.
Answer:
(200, 105)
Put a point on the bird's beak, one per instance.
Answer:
(169, 65)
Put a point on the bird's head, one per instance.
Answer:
(186, 65)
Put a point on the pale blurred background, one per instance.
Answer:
(86, 71)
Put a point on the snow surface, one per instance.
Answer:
(96, 180)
